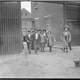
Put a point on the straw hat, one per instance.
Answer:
(67, 26)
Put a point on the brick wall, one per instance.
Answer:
(49, 13)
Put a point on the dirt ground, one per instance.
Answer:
(56, 64)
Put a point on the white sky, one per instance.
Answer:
(26, 5)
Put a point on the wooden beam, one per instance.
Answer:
(77, 1)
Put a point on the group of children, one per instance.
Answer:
(37, 40)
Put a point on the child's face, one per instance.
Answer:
(49, 32)
(66, 29)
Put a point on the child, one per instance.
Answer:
(51, 40)
(67, 39)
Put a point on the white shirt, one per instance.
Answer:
(44, 34)
(36, 36)
(29, 35)
(65, 33)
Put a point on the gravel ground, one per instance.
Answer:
(42, 65)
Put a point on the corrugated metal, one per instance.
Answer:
(10, 27)
(72, 16)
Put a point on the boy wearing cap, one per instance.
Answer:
(67, 38)
(28, 39)
(36, 41)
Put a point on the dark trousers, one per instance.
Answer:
(50, 48)
(29, 47)
(42, 46)
(69, 45)
(32, 45)
(36, 46)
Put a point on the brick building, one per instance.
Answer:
(57, 14)
(49, 13)
(26, 21)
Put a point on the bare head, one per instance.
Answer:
(49, 32)
(66, 29)
(47, 24)
(44, 30)
(29, 32)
